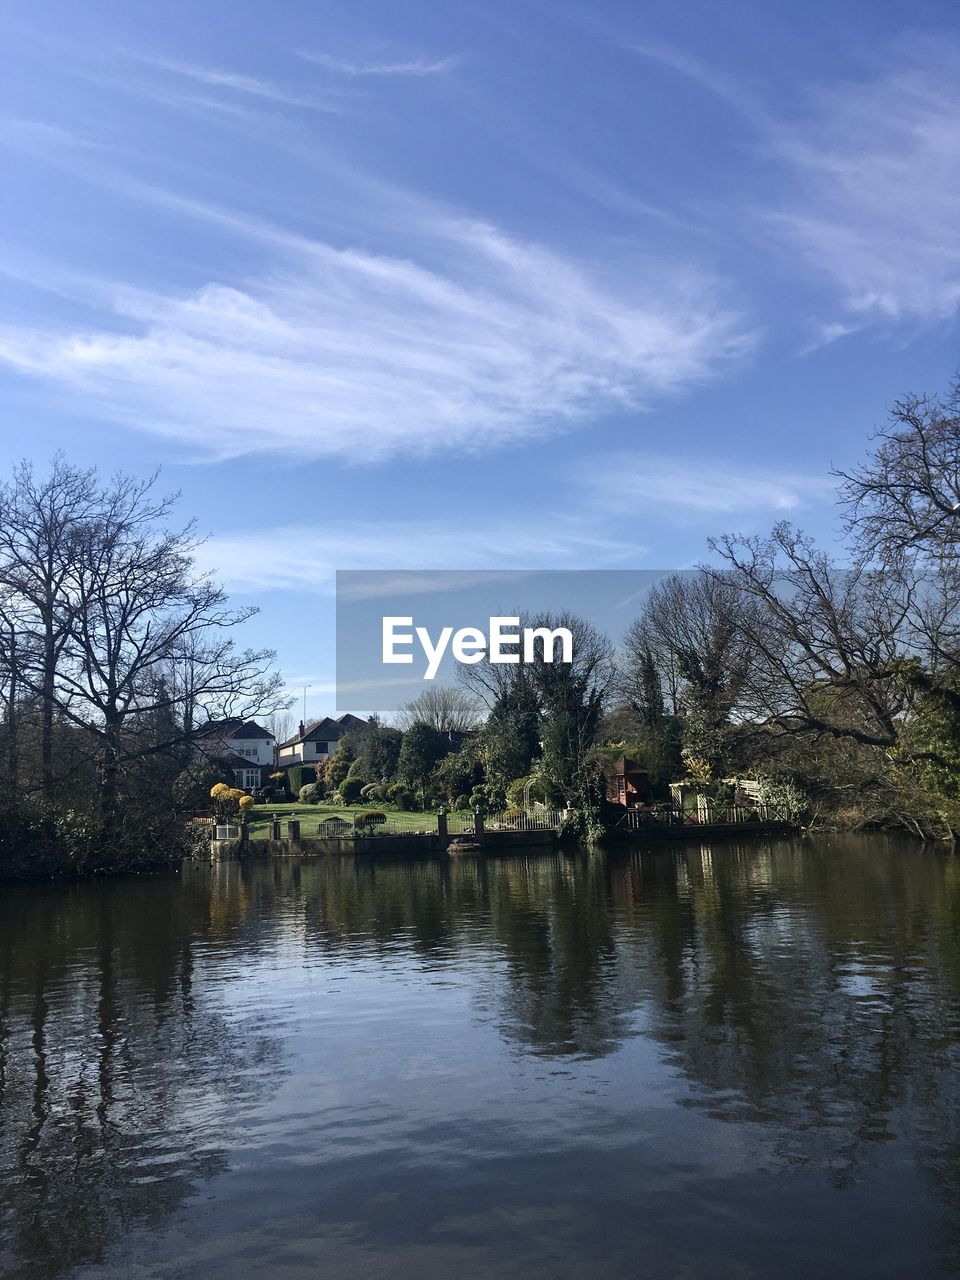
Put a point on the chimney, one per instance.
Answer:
(300, 729)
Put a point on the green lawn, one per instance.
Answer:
(310, 815)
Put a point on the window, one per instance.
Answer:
(247, 779)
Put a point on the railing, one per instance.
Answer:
(524, 820)
(332, 826)
(399, 824)
(462, 822)
(665, 815)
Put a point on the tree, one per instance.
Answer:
(511, 736)
(571, 698)
(423, 747)
(338, 765)
(41, 525)
(906, 496)
(689, 648)
(140, 606)
(446, 708)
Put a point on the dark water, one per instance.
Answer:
(729, 1062)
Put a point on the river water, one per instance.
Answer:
(727, 1061)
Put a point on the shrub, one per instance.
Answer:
(312, 793)
(369, 818)
(516, 789)
(226, 801)
(374, 791)
(191, 789)
(299, 776)
(401, 796)
(350, 790)
(461, 803)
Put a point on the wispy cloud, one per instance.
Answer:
(874, 190)
(250, 86)
(402, 67)
(729, 89)
(699, 485)
(870, 175)
(341, 353)
(306, 557)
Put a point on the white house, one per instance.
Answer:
(314, 742)
(243, 746)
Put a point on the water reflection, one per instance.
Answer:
(336, 1034)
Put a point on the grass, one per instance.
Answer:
(311, 815)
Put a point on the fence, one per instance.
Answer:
(523, 820)
(652, 816)
(327, 826)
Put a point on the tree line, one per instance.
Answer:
(833, 675)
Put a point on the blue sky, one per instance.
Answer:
(449, 285)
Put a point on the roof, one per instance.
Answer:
(326, 730)
(622, 766)
(350, 721)
(235, 729)
(250, 729)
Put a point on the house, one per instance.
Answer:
(315, 741)
(243, 747)
(628, 782)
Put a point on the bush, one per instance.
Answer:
(516, 789)
(299, 776)
(487, 798)
(312, 793)
(461, 803)
(368, 819)
(191, 789)
(401, 796)
(350, 790)
(358, 770)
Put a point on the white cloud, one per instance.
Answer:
(305, 557)
(252, 86)
(699, 485)
(874, 197)
(342, 353)
(407, 67)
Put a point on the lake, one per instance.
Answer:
(729, 1061)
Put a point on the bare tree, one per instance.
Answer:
(41, 524)
(443, 707)
(827, 642)
(141, 617)
(906, 496)
(280, 725)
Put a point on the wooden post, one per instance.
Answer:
(477, 822)
(442, 823)
(293, 828)
(276, 828)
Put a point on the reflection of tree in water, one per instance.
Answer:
(563, 993)
(116, 1076)
(808, 990)
(812, 994)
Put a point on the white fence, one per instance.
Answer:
(702, 815)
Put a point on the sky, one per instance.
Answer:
(424, 285)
